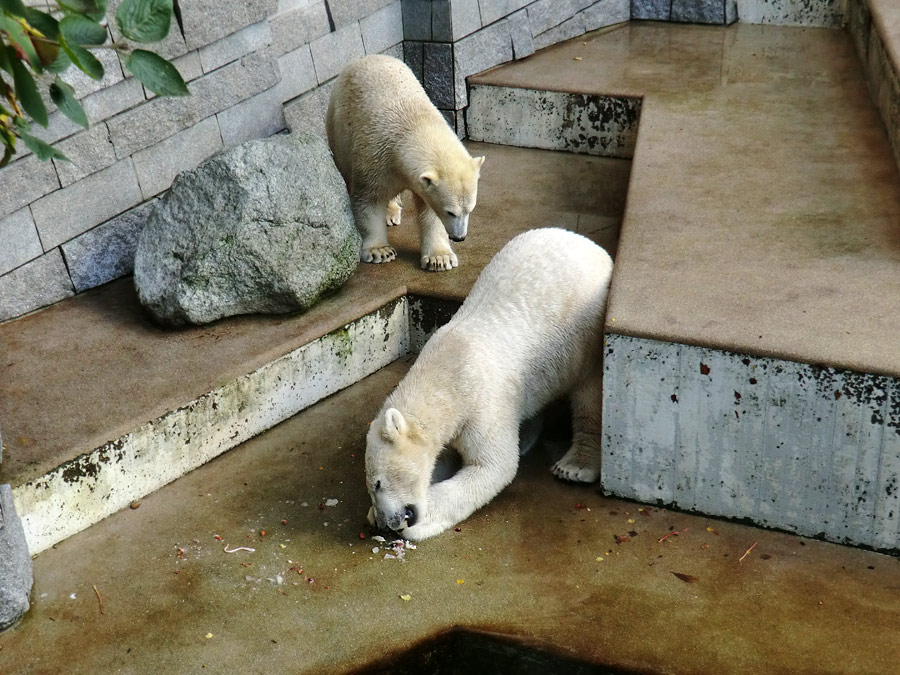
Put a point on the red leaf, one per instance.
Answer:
(686, 578)
(704, 369)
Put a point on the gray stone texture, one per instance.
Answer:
(263, 227)
(89, 152)
(396, 51)
(520, 35)
(335, 50)
(565, 31)
(157, 166)
(155, 120)
(298, 74)
(344, 12)
(479, 51)
(494, 10)
(16, 573)
(438, 70)
(414, 57)
(417, 20)
(656, 10)
(106, 252)
(299, 26)
(257, 117)
(250, 39)
(441, 21)
(206, 21)
(35, 284)
(19, 240)
(66, 213)
(382, 29)
(702, 11)
(306, 113)
(606, 13)
(465, 17)
(109, 102)
(545, 14)
(23, 181)
(825, 13)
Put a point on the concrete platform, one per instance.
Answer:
(559, 566)
(100, 407)
(751, 365)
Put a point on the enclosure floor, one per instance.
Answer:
(94, 367)
(173, 601)
(764, 207)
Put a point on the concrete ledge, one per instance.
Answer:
(786, 445)
(90, 487)
(552, 120)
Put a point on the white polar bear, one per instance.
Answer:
(530, 331)
(386, 137)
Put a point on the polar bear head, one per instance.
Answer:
(399, 462)
(452, 192)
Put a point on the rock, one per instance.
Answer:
(263, 227)
(16, 573)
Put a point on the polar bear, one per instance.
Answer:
(530, 331)
(386, 137)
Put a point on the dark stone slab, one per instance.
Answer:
(656, 10)
(716, 12)
(438, 68)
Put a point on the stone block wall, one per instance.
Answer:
(69, 226)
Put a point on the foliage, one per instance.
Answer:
(37, 46)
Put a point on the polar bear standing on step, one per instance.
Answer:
(530, 331)
(387, 137)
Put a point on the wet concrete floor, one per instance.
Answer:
(152, 589)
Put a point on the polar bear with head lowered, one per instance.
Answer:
(530, 331)
(386, 137)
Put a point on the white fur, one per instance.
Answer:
(386, 136)
(530, 331)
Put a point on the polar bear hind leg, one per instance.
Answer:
(581, 463)
(490, 461)
(371, 221)
(394, 211)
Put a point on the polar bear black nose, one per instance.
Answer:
(458, 239)
(410, 515)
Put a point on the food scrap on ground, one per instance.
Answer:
(99, 599)
(239, 548)
(686, 578)
(396, 550)
(674, 532)
(406, 598)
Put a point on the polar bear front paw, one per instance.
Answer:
(394, 212)
(422, 531)
(579, 464)
(440, 263)
(378, 254)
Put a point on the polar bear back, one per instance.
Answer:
(381, 122)
(532, 324)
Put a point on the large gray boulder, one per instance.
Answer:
(264, 227)
(16, 573)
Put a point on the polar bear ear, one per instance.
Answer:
(478, 161)
(428, 178)
(394, 424)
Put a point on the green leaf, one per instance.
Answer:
(6, 56)
(15, 7)
(10, 149)
(64, 97)
(83, 60)
(80, 30)
(42, 150)
(17, 35)
(61, 63)
(155, 73)
(28, 94)
(43, 22)
(144, 20)
(79, 6)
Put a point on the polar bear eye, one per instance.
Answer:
(452, 215)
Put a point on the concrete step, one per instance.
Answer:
(100, 407)
(751, 364)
